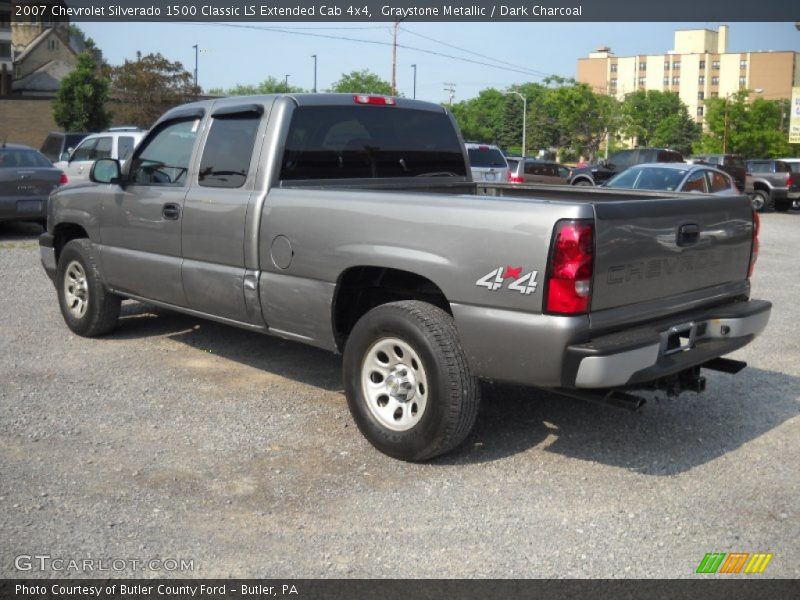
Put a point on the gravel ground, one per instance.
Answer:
(179, 438)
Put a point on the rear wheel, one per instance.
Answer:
(761, 201)
(408, 384)
(584, 183)
(88, 309)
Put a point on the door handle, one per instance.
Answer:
(688, 234)
(171, 211)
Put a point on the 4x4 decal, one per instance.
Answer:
(494, 280)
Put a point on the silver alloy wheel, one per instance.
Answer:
(76, 289)
(759, 201)
(394, 383)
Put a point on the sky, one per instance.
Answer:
(511, 53)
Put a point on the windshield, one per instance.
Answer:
(648, 178)
(486, 157)
(342, 142)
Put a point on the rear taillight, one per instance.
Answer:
(63, 179)
(754, 247)
(789, 181)
(569, 274)
(374, 100)
(515, 179)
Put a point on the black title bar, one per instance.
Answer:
(394, 10)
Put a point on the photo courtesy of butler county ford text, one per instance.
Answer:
(433, 299)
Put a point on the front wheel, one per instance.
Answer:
(583, 183)
(88, 309)
(407, 381)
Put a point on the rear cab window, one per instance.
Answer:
(344, 142)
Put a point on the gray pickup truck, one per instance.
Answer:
(350, 222)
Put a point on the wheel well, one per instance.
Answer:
(582, 178)
(761, 186)
(361, 289)
(64, 233)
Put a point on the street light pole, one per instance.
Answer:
(524, 119)
(314, 56)
(415, 80)
(286, 84)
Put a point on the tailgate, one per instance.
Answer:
(658, 248)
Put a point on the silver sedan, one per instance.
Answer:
(675, 177)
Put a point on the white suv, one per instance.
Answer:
(487, 162)
(115, 142)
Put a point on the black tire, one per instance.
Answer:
(453, 394)
(101, 309)
(583, 183)
(762, 201)
(783, 205)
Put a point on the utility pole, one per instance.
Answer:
(394, 57)
(286, 84)
(450, 88)
(415, 81)
(196, 66)
(725, 130)
(524, 118)
(314, 56)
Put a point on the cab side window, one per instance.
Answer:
(696, 182)
(228, 149)
(623, 159)
(164, 157)
(102, 149)
(125, 146)
(717, 181)
(84, 151)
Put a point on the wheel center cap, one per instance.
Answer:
(401, 383)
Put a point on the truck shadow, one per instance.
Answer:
(20, 231)
(665, 437)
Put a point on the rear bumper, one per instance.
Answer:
(23, 209)
(47, 254)
(786, 193)
(644, 354)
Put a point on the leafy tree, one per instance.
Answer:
(655, 118)
(148, 86)
(752, 129)
(80, 102)
(271, 85)
(365, 82)
(480, 118)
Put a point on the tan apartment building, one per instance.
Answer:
(699, 67)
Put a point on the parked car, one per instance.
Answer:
(26, 180)
(794, 164)
(58, 144)
(775, 186)
(351, 223)
(117, 142)
(619, 161)
(487, 162)
(732, 164)
(531, 170)
(675, 177)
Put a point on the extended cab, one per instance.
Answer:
(351, 223)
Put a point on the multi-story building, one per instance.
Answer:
(699, 67)
(6, 58)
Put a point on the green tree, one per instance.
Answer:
(77, 32)
(752, 129)
(480, 118)
(271, 85)
(149, 85)
(80, 102)
(364, 82)
(655, 118)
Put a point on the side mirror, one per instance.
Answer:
(105, 170)
(64, 156)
